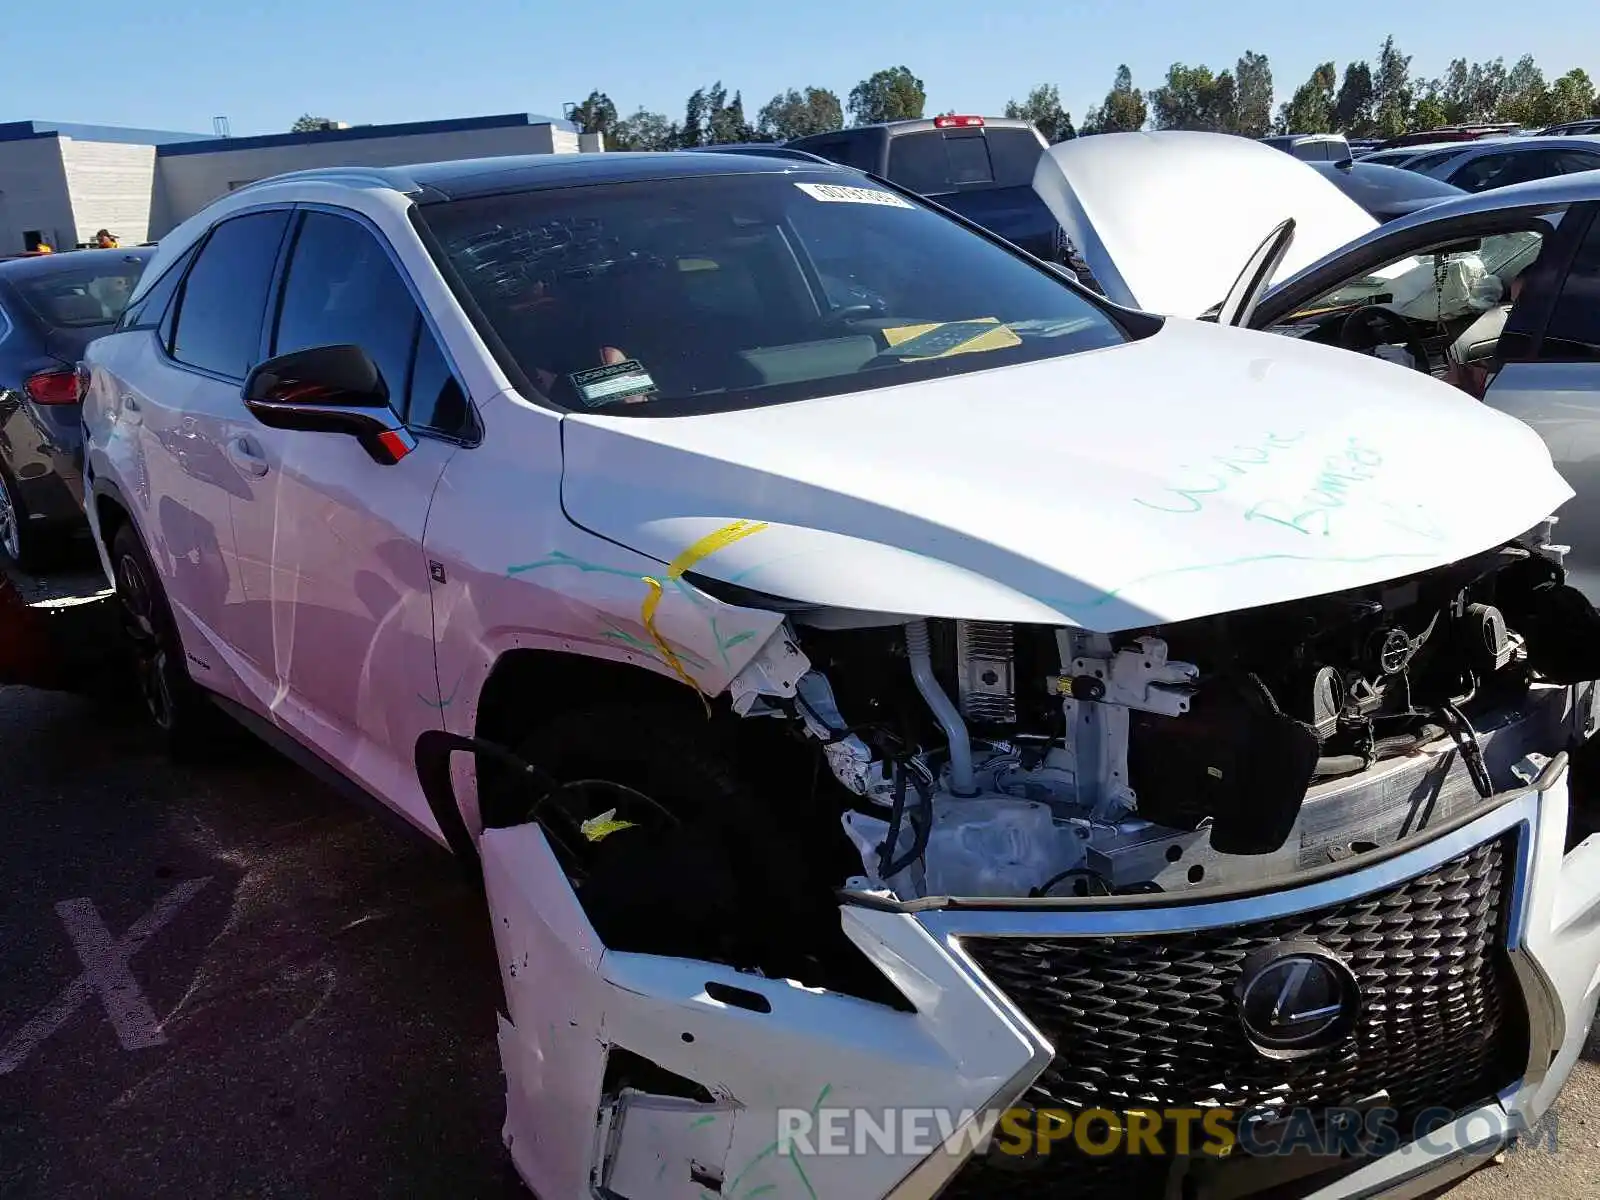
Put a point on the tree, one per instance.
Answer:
(1430, 111)
(1194, 98)
(1124, 110)
(1353, 107)
(596, 115)
(1253, 77)
(1391, 91)
(1570, 98)
(725, 118)
(1524, 97)
(306, 123)
(894, 94)
(795, 114)
(1310, 109)
(1043, 108)
(693, 130)
(644, 131)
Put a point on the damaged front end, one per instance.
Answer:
(1055, 850)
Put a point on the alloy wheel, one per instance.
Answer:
(151, 662)
(10, 523)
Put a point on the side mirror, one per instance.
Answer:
(329, 389)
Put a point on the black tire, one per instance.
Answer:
(184, 720)
(717, 881)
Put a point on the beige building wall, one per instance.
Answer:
(110, 185)
(186, 183)
(34, 195)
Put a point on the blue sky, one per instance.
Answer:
(170, 65)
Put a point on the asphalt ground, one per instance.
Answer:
(228, 981)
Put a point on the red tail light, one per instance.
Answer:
(55, 387)
(958, 122)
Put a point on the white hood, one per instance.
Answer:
(1166, 221)
(1199, 471)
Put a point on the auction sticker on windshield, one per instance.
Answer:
(835, 193)
(624, 381)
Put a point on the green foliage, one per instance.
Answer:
(1125, 109)
(893, 94)
(795, 114)
(1043, 108)
(306, 123)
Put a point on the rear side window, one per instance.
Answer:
(1487, 171)
(218, 322)
(147, 312)
(1429, 161)
(859, 151)
(83, 296)
(1573, 333)
(342, 289)
(1571, 161)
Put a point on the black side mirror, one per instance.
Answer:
(330, 389)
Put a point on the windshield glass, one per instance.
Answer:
(82, 295)
(747, 288)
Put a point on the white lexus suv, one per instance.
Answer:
(898, 702)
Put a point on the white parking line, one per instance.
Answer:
(106, 973)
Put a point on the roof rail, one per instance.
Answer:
(389, 178)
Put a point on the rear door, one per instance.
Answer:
(1552, 382)
(183, 397)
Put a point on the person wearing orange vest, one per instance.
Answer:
(44, 247)
(105, 240)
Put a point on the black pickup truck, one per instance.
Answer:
(980, 167)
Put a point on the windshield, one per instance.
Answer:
(81, 296)
(747, 288)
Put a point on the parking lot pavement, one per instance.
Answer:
(229, 981)
(312, 1013)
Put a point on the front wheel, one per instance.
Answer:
(174, 704)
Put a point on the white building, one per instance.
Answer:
(63, 183)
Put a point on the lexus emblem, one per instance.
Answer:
(1297, 998)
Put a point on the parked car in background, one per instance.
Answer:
(1502, 162)
(813, 758)
(1385, 192)
(1572, 128)
(1408, 156)
(51, 307)
(1312, 147)
(979, 167)
(1454, 133)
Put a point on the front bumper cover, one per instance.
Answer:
(758, 1051)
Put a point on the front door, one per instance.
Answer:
(331, 542)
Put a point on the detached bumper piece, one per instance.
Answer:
(1155, 1022)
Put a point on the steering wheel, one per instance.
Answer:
(1372, 326)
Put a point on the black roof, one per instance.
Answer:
(466, 178)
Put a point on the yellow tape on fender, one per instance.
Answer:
(718, 539)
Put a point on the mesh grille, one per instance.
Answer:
(1150, 1021)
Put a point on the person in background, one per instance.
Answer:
(44, 247)
(105, 240)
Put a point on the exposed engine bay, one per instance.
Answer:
(991, 760)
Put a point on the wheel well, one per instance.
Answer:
(527, 688)
(111, 516)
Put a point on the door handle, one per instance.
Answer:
(247, 456)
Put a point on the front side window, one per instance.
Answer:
(747, 288)
(217, 326)
(341, 288)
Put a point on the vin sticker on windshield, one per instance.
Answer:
(834, 193)
(623, 381)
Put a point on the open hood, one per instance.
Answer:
(1166, 221)
(1198, 471)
